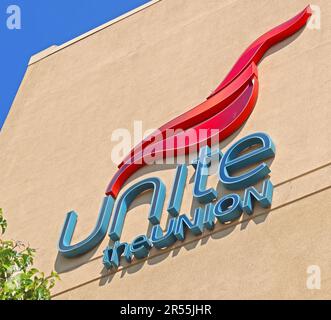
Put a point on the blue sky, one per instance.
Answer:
(44, 23)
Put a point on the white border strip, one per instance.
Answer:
(53, 49)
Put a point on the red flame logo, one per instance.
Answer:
(224, 111)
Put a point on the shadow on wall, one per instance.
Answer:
(107, 276)
(282, 44)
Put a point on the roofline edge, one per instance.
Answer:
(54, 48)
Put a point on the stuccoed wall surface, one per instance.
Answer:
(151, 66)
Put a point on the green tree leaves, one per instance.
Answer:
(18, 279)
(3, 223)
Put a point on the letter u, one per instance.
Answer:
(165, 240)
(93, 239)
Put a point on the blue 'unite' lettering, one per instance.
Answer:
(247, 156)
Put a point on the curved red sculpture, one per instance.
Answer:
(224, 111)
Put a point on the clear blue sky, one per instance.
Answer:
(44, 23)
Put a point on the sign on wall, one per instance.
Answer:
(241, 167)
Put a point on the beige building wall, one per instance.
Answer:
(153, 65)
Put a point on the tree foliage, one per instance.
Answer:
(18, 279)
